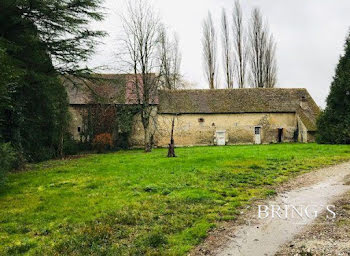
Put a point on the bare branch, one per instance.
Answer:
(170, 60)
(209, 51)
(270, 64)
(262, 53)
(226, 50)
(140, 45)
(240, 49)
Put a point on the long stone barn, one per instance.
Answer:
(205, 117)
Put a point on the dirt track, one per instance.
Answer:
(253, 236)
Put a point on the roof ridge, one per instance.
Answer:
(247, 100)
(233, 89)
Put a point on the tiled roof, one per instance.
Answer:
(104, 88)
(254, 100)
(120, 89)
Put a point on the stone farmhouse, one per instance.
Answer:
(205, 117)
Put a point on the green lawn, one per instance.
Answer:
(132, 203)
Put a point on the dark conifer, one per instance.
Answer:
(334, 122)
(39, 41)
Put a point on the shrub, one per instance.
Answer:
(8, 160)
(70, 146)
(102, 142)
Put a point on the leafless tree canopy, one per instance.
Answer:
(270, 64)
(169, 60)
(209, 42)
(227, 50)
(141, 27)
(240, 47)
(176, 63)
(152, 58)
(262, 53)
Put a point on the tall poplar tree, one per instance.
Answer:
(209, 43)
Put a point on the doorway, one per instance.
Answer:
(258, 135)
(280, 135)
(221, 138)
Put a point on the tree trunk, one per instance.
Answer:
(60, 146)
(147, 139)
(171, 149)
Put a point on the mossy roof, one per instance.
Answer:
(100, 89)
(115, 89)
(253, 100)
(104, 89)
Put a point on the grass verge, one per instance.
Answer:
(132, 203)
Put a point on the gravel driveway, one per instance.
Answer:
(265, 235)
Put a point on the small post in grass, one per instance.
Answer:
(171, 148)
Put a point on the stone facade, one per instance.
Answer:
(76, 124)
(201, 130)
(212, 117)
(194, 129)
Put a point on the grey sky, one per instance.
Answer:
(309, 33)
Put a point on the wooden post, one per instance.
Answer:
(171, 149)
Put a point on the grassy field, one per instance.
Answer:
(131, 203)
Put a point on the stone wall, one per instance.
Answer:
(302, 131)
(194, 129)
(76, 122)
(136, 139)
(200, 129)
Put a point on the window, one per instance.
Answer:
(79, 129)
(257, 130)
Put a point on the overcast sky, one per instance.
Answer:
(310, 35)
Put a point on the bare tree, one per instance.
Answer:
(209, 42)
(227, 50)
(164, 59)
(270, 64)
(257, 40)
(240, 49)
(141, 34)
(176, 77)
(262, 53)
(170, 60)
(171, 148)
(176, 62)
